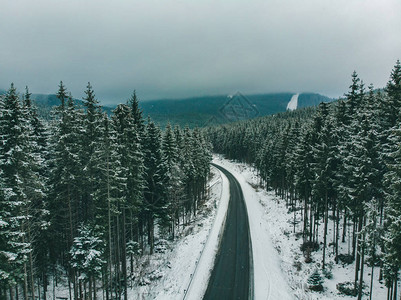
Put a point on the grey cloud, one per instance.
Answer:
(178, 48)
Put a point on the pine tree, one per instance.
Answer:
(5, 267)
(174, 177)
(62, 96)
(87, 258)
(38, 129)
(324, 169)
(155, 189)
(304, 177)
(392, 105)
(22, 188)
(91, 138)
(137, 117)
(201, 161)
(38, 222)
(290, 164)
(65, 181)
(354, 96)
(111, 181)
(188, 168)
(373, 232)
(131, 170)
(315, 281)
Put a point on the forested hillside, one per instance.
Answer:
(338, 164)
(198, 111)
(83, 195)
(214, 110)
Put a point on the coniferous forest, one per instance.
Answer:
(82, 195)
(337, 164)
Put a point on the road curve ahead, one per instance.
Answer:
(231, 273)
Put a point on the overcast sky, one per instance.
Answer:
(176, 49)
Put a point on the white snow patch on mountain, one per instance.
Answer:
(293, 104)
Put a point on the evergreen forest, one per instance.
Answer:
(84, 194)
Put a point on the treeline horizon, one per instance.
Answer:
(82, 195)
(340, 162)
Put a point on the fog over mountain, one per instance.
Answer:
(194, 48)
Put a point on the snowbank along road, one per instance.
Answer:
(231, 275)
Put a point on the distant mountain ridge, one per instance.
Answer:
(207, 110)
(202, 111)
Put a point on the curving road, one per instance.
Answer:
(230, 278)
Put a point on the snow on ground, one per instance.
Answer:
(293, 104)
(280, 262)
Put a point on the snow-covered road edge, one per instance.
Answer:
(200, 279)
(269, 281)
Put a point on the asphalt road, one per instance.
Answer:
(231, 273)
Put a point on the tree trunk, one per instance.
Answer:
(110, 260)
(173, 220)
(32, 281)
(361, 275)
(344, 226)
(81, 289)
(38, 285)
(71, 237)
(118, 259)
(305, 218)
(371, 281)
(11, 293)
(337, 235)
(316, 229)
(90, 287)
(25, 282)
(132, 239)
(295, 215)
(334, 211)
(94, 288)
(54, 285)
(105, 284)
(124, 255)
(69, 285)
(358, 253)
(354, 241)
(326, 216)
(44, 286)
(311, 222)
